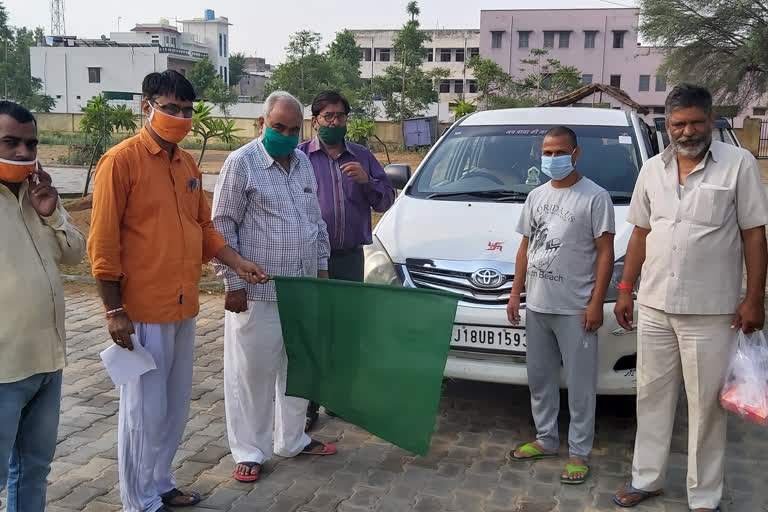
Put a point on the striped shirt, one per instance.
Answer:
(270, 216)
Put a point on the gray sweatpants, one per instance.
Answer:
(550, 338)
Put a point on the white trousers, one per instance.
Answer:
(153, 413)
(696, 349)
(255, 367)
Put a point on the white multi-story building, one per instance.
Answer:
(75, 70)
(449, 49)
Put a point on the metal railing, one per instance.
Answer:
(762, 147)
(199, 55)
(174, 51)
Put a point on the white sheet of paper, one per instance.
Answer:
(624, 139)
(125, 365)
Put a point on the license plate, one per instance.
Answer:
(485, 337)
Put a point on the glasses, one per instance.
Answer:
(174, 110)
(330, 116)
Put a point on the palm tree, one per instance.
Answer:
(413, 10)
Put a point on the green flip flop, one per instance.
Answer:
(533, 453)
(575, 468)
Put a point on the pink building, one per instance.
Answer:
(602, 43)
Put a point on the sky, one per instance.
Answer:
(263, 29)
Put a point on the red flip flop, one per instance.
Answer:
(242, 477)
(328, 448)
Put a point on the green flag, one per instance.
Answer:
(373, 354)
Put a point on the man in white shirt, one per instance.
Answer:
(700, 213)
(37, 236)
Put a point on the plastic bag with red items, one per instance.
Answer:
(745, 391)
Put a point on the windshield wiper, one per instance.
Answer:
(498, 194)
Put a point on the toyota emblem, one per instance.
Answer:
(487, 278)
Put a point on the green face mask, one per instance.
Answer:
(277, 144)
(332, 135)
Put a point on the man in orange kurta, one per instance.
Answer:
(151, 231)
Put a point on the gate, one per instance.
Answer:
(762, 148)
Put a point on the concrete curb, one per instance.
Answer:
(207, 286)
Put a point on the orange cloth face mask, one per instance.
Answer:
(12, 171)
(169, 128)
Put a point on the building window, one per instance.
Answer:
(459, 54)
(618, 38)
(549, 39)
(226, 75)
(431, 55)
(565, 40)
(758, 111)
(496, 38)
(365, 54)
(225, 45)
(547, 82)
(645, 83)
(173, 42)
(586, 79)
(166, 40)
(458, 86)
(221, 71)
(384, 54)
(472, 86)
(94, 75)
(473, 52)
(221, 46)
(445, 86)
(616, 81)
(661, 83)
(523, 38)
(589, 38)
(445, 55)
(659, 110)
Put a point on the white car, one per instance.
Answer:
(453, 228)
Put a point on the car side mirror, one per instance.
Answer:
(398, 175)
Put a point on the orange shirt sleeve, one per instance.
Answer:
(213, 241)
(110, 193)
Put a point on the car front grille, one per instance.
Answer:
(457, 277)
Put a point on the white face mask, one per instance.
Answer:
(557, 167)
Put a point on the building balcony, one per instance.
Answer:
(174, 51)
(199, 55)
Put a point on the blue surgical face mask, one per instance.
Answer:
(557, 167)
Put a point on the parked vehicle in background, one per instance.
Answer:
(453, 228)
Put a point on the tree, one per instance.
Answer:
(207, 127)
(306, 71)
(100, 120)
(463, 108)
(362, 130)
(437, 75)
(491, 79)
(221, 95)
(236, 68)
(17, 82)
(203, 76)
(405, 88)
(547, 78)
(720, 44)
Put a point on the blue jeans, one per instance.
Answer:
(29, 420)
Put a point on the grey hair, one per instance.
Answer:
(278, 96)
(686, 96)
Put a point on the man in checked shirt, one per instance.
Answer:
(265, 204)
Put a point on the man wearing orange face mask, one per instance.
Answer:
(37, 235)
(151, 231)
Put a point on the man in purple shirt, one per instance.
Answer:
(350, 182)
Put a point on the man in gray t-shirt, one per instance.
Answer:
(564, 263)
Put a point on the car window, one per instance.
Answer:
(493, 160)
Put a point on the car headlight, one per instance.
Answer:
(379, 268)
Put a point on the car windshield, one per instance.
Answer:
(502, 163)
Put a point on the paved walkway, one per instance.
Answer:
(465, 471)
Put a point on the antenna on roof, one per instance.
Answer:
(58, 26)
